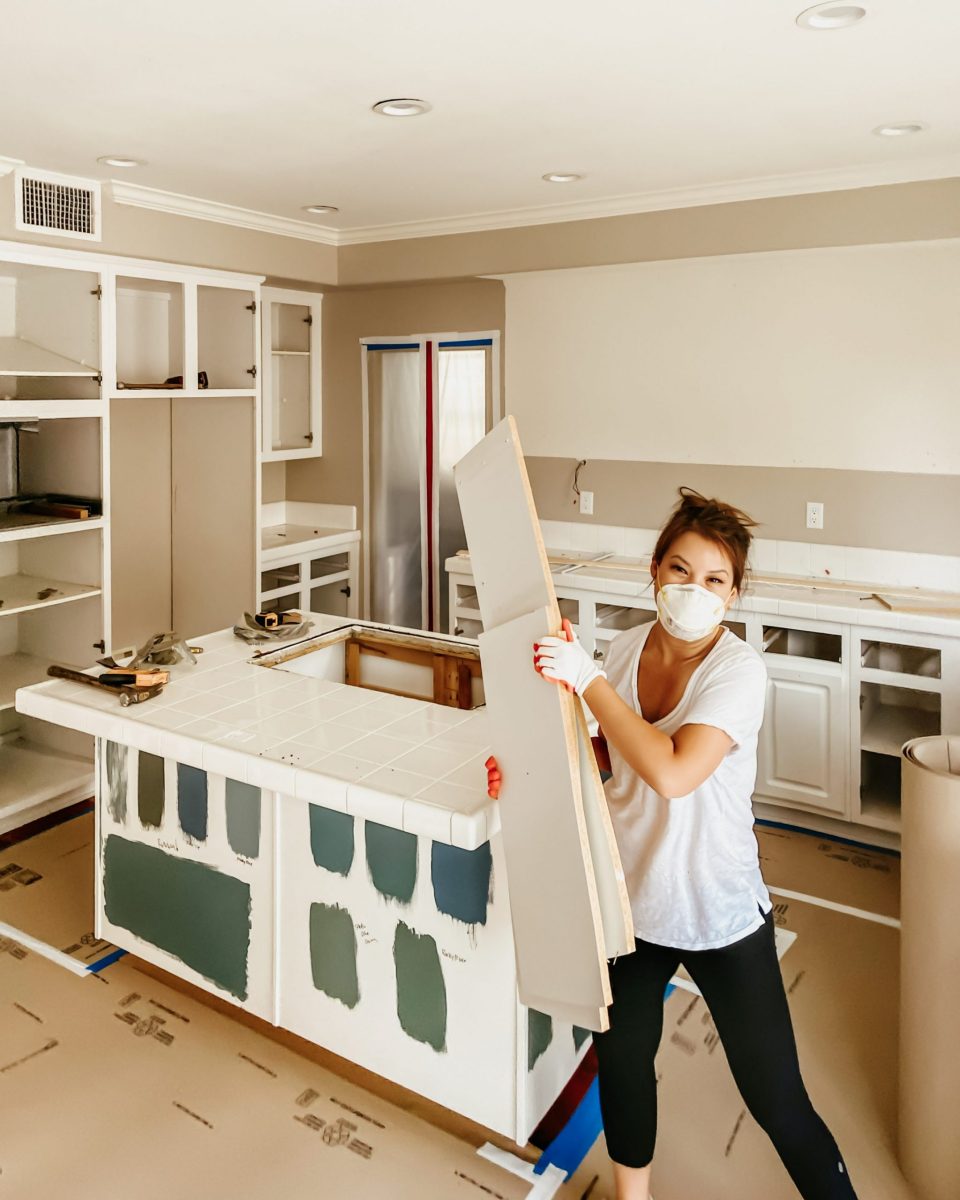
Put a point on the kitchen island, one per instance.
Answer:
(323, 854)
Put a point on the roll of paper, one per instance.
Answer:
(930, 968)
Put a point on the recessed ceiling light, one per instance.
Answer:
(320, 208)
(401, 108)
(904, 130)
(831, 16)
(118, 160)
(560, 177)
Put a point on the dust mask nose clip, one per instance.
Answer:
(688, 611)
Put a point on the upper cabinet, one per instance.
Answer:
(292, 411)
(191, 332)
(49, 333)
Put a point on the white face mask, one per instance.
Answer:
(689, 612)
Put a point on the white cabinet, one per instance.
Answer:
(319, 580)
(54, 591)
(292, 412)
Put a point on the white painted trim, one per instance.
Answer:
(846, 909)
(143, 268)
(726, 192)
(9, 164)
(732, 191)
(365, 412)
(223, 214)
(43, 948)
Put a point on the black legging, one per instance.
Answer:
(743, 989)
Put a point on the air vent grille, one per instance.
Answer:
(58, 204)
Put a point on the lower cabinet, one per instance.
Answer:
(318, 581)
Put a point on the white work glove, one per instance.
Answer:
(563, 660)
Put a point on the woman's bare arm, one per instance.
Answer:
(672, 766)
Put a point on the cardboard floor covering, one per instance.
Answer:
(120, 1084)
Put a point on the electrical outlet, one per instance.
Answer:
(586, 503)
(814, 514)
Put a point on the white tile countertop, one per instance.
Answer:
(768, 593)
(409, 764)
(297, 527)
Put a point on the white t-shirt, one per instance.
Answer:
(692, 863)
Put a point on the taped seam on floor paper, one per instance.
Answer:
(106, 961)
(545, 1186)
(849, 911)
(42, 948)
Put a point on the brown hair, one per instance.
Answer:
(729, 527)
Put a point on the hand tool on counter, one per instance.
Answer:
(126, 694)
(271, 627)
(165, 649)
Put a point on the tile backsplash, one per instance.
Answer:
(891, 568)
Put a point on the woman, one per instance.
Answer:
(679, 707)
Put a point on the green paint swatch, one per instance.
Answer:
(192, 801)
(461, 881)
(539, 1035)
(333, 953)
(192, 911)
(331, 839)
(150, 789)
(580, 1036)
(421, 992)
(115, 775)
(243, 818)
(392, 859)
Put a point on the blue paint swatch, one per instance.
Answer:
(192, 801)
(461, 881)
(331, 839)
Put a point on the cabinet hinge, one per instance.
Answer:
(308, 437)
(346, 591)
(252, 371)
(252, 306)
(308, 320)
(97, 291)
(99, 378)
(101, 646)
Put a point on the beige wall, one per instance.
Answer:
(143, 233)
(873, 509)
(473, 305)
(895, 213)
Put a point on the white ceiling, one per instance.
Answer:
(266, 106)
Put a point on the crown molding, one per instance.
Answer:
(768, 187)
(9, 164)
(224, 214)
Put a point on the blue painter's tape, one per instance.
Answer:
(828, 837)
(572, 1144)
(671, 988)
(395, 346)
(465, 344)
(106, 960)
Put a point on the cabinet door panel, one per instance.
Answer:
(800, 755)
(140, 518)
(214, 522)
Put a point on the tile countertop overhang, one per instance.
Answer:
(408, 764)
(766, 594)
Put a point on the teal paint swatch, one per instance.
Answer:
(333, 953)
(150, 789)
(421, 992)
(539, 1035)
(243, 818)
(192, 911)
(392, 860)
(461, 881)
(115, 779)
(331, 839)
(580, 1036)
(192, 801)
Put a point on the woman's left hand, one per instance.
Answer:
(563, 660)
